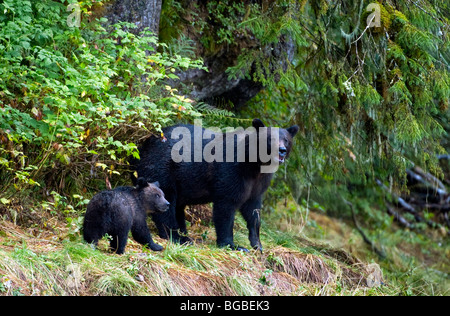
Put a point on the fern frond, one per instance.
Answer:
(208, 109)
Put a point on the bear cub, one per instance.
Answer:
(116, 212)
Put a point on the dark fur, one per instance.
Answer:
(229, 185)
(116, 212)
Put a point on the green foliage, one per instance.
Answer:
(212, 111)
(223, 14)
(368, 107)
(73, 101)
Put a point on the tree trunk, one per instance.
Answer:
(142, 13)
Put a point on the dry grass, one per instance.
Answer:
(46, 260)
(33, 263)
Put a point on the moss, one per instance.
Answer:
(171, 20)
(385, 18)
(400, 17)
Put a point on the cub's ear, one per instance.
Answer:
(257, 123)
(293, 130)
(156, 184)
(141, 183)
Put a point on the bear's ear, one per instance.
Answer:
(257, 123)
(141, 183)
(293, 130)
(156, 184)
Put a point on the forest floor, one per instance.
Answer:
(317, 256)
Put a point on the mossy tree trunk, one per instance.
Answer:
(143, 13)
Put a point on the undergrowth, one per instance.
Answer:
(55, 261)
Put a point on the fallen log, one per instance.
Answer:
(447, 220)
(400, 202)
(435, 182)
(398, 218)
(425, 186)
(444, 208)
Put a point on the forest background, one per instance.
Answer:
(82, 84)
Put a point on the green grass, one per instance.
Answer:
(38, 261)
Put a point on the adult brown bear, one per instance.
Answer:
(232, 170)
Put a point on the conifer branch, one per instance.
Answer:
(425, 11)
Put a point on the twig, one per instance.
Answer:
(367, 27)
(366, 239)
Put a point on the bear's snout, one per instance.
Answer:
(282, 152)
(164, 207)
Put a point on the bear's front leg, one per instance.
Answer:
(251, 211)
(142, 235)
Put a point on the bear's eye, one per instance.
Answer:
(158, 196)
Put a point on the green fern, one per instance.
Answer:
(210, 110)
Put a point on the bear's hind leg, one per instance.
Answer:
(181, 221)
(223, 217)
(118, 242)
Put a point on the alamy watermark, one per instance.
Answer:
(74, 19)
(374, 19)
(235, 145)
(375, 275)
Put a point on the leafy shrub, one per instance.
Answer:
(74, 101)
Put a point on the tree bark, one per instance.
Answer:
(142, 13)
